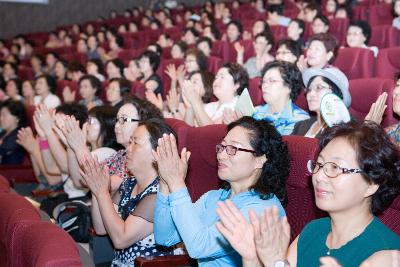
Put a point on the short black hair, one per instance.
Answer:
(94, 82)
(98, 63)
(293, 46)
(201, 59)
(239, 75)
(322, 18)
(268, 36)
(153, 57)
(17, 109)
(119, 40)
(79, 111)
(237, 24)
(124, 86)
(291, 76)
(156, 129)
(18, 84)
(50, 80)
(365, 28)
(106, 116)
(192, 30)
(266, 140)
(301, 25)
(276, 9)
(377, 156)
(118, 63)
(146, 110)
(182, 46)
(204, 39)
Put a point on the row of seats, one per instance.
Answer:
(26, 240)
(202, 177)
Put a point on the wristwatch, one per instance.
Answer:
(281, 263)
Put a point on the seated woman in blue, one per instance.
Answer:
(355, 176)
(253, 162)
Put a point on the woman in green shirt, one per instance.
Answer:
(355, 176)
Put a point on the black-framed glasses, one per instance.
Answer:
(231, 150)
(332, 170)
(122, 120)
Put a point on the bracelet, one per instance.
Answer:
(43, 144)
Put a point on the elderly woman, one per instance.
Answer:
(253, 163)
(229, 82)
(318, 83)
(359, 34)
(130, 224)
(355, 177)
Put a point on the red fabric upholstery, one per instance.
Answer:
(388, 62)
(355, 62)
(138, 89)
(43, 244)
(19, 173)
(384, 36)
(391, 216)
(127, 54)
(301, 101)
(338, 28)
(79, 57)
(181, 129)
(301, 204)
(4, 184)
(362, 101)
(202, 174)
(380, 14)
(25, 73)
(279, 32)
(214, 63)
(255, 91)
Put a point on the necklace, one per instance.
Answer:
(329, 246)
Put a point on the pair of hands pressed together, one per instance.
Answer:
(261, 241)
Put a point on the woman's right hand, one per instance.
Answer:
(190, 93)
(173, 100)
(75, 136)
(68, 94)
(44, 119)
(26, 139)
(171, 72)
(377, 109)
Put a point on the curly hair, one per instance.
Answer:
(239, 75)
(290, 74)
(146, 110)
(266, 140)
(377, 157)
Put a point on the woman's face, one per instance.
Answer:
(224, 85)
(243, 168)
(112, 71)
(7, 121)
(273, 87)
(124, 131)
(27, 89)
(8, 70)
(198, 81)
(294, 31)
(91, 68)
(346, 191)
(50, 60)
(86, 90)
(93, 129)
(284, 54)
(41, 86)
(331, 6)
(205, 48)
(176, 52)
(92, 42)
(191, 63)
(144, 65)
(317, 55)
(261, 46)
(396, 98)
(113, 93)
(11, 89)
(355, 37)
(258, 27)
(138, 156)
(232, 33)
(60, 71)
(317, 89)
(319, 27)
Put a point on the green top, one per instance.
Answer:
(312, 243)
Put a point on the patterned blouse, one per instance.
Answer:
(117, 165)
(284, 122)
(394, 133)
(126, 207)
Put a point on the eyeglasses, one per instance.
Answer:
(318, 88)
(231, 150)
(268, 81)
(122, 120)
(332, 170)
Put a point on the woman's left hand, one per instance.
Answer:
(76, 137)
(95, 175)
(171, 168)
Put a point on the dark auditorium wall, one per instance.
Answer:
(21, 18)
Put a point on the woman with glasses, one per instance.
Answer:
(355, 176)
(318, 83)
(253, 164)
(280, 85)
(126, 215)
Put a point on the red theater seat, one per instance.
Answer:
(256, 92)
(4, 185)
(388, 62)
(384, 36)
(301, 204)
(355, 62)
(380, 14)
(214, 63)
(338, 28)
(364, 92)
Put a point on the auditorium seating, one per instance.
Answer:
(388, 62)
(384, 36)
(355, 62)
(361, 102)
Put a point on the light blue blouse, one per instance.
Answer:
(177, 219)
